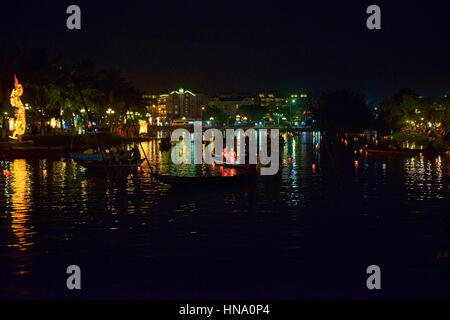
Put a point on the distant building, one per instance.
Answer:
(270, 100)
(184, 103)
(230, 102)
(156, 105)
(149, 99)
(276, 101)
(175, 105)
(298, 96)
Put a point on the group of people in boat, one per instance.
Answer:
(229, 156)
(117, 153)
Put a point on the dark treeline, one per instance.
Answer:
(406, 115)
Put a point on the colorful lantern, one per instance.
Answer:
(19, 112)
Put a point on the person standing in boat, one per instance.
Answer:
(136, 152)
(229, 155)
(122, 155)
(115, 153)
(110, 155)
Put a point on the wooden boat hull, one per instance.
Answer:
(212, 181)
(233, 165)
(86, 157)
(96, 162)
(201, 181)
(100, 166)
(32, 152)
(397, 152)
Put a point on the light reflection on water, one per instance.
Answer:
(18, 196)
(424, 179)
(53, 209)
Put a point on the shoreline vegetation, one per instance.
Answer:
(418, 140)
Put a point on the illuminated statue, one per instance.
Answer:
(19, 112)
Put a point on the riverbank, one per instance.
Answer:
(414, 140)
(59, 145)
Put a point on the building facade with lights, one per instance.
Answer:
(230, 102)
(185, 104)
(177, 104)
(156, 105)
(270, 100)
(275, 101)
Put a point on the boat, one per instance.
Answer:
(204, 181)
(28, 150)
(212, 181)
(233, 165)
(398, 151)
(98, 161)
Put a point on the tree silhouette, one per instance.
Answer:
(343, 111)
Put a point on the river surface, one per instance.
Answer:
(309, 233)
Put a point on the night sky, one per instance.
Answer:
(249, 46)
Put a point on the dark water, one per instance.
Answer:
(300, 236)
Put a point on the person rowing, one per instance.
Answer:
(136, 152)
